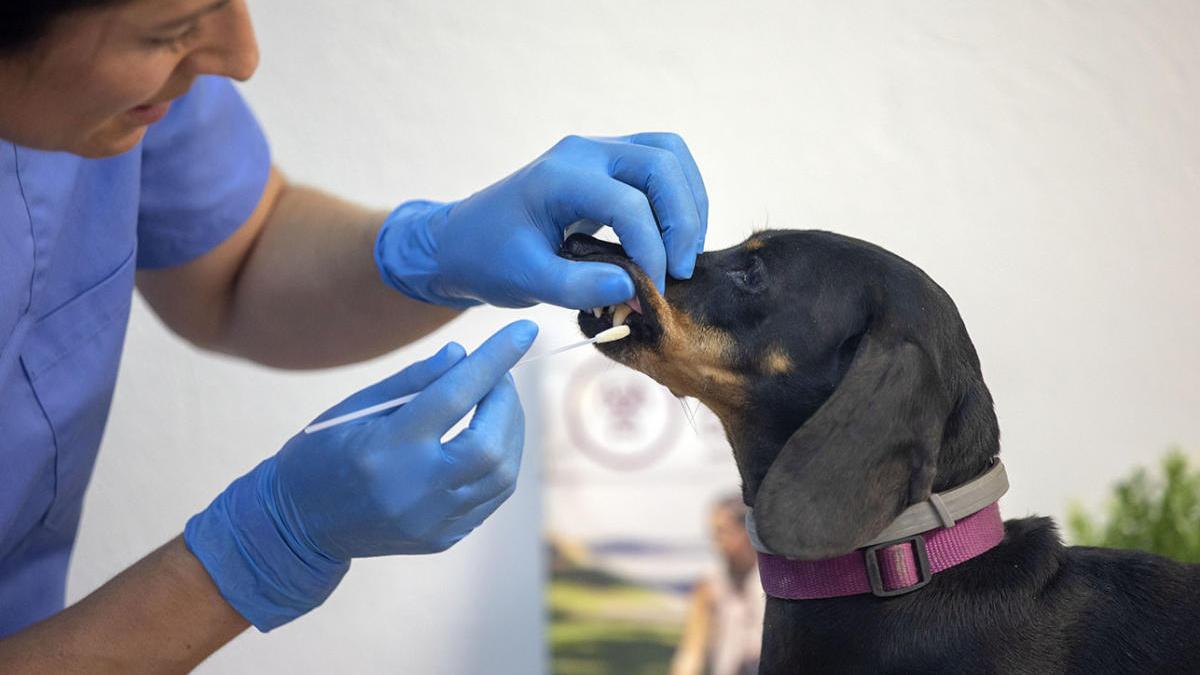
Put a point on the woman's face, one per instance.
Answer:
(729, 534)
(101, 76)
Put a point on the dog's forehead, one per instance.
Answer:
(762, 238)
(813, 239)
(823, 257)
(797, 245)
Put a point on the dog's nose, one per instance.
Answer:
(581, 245)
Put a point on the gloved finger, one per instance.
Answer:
(598, 197)
(575, 284)
(675, 144)
(412, 379)
(542, 277)
(463, 525)
(448, 398)
(489, 449)
(657, 173)
(484, 459)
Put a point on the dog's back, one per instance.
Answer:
(1030, 605)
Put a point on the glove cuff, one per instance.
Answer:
(406, 254)
(257, 563)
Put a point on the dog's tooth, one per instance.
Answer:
(596, 312)
(621, 313)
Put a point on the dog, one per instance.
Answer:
(851, 393)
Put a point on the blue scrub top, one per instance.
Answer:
(72, 233)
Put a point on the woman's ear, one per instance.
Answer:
(864, 456)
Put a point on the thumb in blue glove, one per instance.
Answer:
(280, 538)
(500, 245)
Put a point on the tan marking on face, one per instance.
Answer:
(753, 244)
(776, 361)
(693, 360)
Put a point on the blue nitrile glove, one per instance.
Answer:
(279, 539)
(499, 245)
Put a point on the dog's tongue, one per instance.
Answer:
(634, 304)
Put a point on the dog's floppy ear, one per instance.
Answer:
(868, 452)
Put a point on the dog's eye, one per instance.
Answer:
(752, 277)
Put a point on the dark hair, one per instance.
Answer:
(24, 22)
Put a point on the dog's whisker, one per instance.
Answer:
(689, 414)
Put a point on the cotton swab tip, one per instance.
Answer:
(612, 334)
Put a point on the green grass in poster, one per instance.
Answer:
(600, 625)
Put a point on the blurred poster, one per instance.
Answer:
(634, 529)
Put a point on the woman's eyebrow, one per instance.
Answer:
(184, 20)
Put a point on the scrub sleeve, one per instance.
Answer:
(72, 233)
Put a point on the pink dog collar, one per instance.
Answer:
(885, 569)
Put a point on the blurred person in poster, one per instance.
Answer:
(723, 633)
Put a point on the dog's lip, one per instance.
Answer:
(641, 318)
(637, 318)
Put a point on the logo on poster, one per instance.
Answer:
(618, 417)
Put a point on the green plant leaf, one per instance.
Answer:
(1149, 513)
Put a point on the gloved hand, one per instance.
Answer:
(499, 246)
(279, 539)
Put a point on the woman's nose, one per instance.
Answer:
(232, 49)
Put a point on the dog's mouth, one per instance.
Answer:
(643, 313)
(665, 341)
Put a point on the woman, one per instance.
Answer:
(723, 631)
(126, 156)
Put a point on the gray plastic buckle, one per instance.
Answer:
(924, 574)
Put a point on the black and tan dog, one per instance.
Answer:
(849, 390)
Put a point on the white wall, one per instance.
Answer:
(1040, 160)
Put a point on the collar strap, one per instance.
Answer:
(949, 528)
(942, 509)
(887, 569)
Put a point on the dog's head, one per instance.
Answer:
(843, 375)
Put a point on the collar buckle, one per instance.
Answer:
(897, 565)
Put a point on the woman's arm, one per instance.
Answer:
(162, 615)
(690, 655)
(295, 287)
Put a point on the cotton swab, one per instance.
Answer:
(611, 335)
